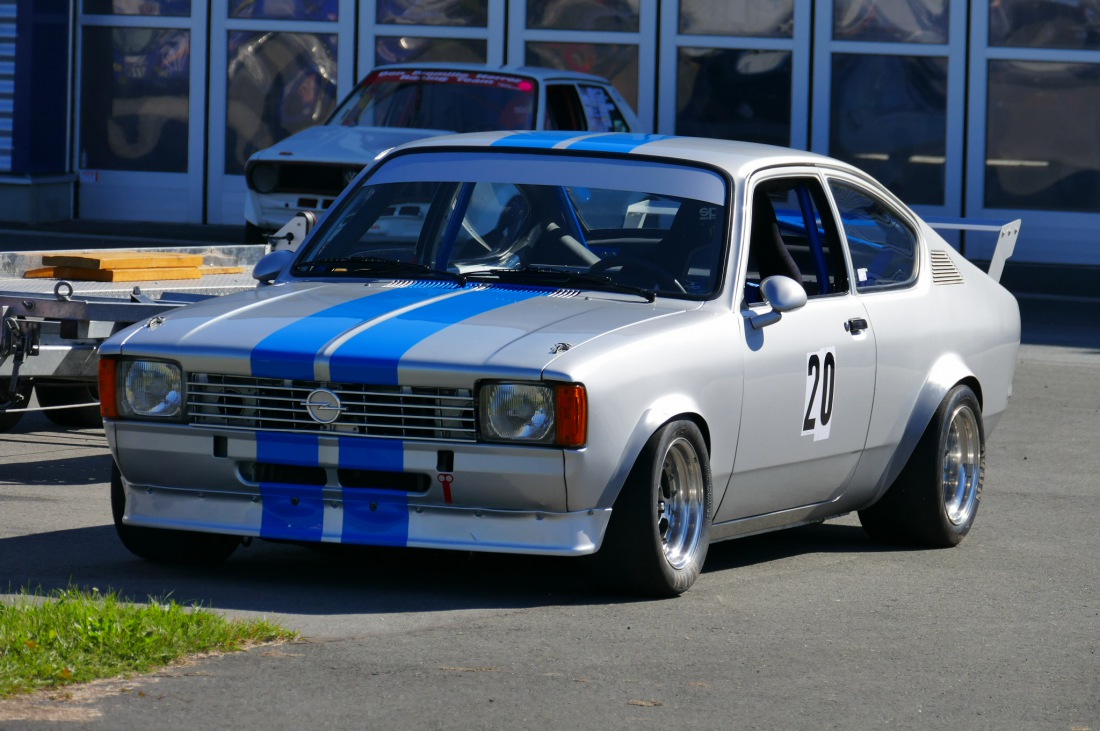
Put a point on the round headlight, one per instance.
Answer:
(151, 388)
(517, 412)
(264, 177)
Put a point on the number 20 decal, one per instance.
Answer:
(820, 381)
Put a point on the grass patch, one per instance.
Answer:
(73, 636)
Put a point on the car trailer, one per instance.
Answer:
(51, 329)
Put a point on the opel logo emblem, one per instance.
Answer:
(323, 406)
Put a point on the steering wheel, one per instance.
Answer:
(664, 279)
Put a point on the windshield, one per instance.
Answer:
(460, 101)
(649, 228)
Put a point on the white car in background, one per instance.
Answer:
(398, 103)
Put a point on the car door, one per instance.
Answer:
(810, 377)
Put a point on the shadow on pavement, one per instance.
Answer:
(288, 579)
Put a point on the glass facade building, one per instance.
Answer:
(987, 109)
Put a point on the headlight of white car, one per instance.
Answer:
(149, 389)
(534, 413)
(264, 177)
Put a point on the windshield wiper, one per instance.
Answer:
(380, 266)
(560, 278)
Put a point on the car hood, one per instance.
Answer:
(408, 333)
(339, 144)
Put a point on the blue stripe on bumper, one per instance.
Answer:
(290, 512)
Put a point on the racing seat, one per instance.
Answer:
(766, 246)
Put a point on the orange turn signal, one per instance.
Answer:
(108, 387)
(572, 415)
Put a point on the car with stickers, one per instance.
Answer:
(401, 102)
(782, 342)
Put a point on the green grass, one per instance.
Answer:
(73, 636)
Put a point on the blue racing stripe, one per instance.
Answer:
(376, 517)
(537, 140)
(373, 356)
(290, 512)
(615, 142)
(373, 516)
(292, 351)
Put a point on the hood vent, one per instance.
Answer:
(943, 269)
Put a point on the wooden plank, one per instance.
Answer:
(123, 260)
(40, 273)
(123, 275)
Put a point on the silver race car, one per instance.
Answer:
(618, 346)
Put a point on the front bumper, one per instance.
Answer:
(272, 211)
(476, 497)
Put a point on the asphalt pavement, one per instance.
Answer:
(809, 628)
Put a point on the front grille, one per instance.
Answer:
(388, 412)
(315, 178)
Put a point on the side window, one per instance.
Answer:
(793, 234)
(603, 114)
(882, 246)
(563, 108)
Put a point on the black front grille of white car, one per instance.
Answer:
(388, 412)
(316, 179)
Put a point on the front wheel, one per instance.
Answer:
(935, 499)
(660, 526)
(163, 545)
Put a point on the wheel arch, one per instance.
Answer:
(949, 371)
(660, 413)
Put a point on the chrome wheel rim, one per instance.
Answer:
(681, 503)
(962, 466)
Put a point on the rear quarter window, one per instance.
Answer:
(882, 245)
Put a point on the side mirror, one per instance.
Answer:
(784, 295)
(272, 265)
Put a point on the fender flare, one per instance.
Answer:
(661, 412)
(947, 372)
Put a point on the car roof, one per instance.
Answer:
(740, 159)
(540, 73)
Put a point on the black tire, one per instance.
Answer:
(935, 499)
(60, 393)
(167, 546)
(8, 419)
(659, 533)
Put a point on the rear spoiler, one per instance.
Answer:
(1007, 233)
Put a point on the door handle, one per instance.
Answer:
(856, 325)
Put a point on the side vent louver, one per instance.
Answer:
(943, 269)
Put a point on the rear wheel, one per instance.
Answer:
(935, 499)
(659, 533)
(163, 545)
(61, 393)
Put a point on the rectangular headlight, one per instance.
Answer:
(149, 389)
(533, 413)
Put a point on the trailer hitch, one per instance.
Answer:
(19, 339)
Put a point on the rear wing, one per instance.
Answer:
(1007, 233)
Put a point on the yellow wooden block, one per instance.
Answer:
(40, 273)
(125, 275)
(123, 260)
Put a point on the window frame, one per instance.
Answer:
(896, 208)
